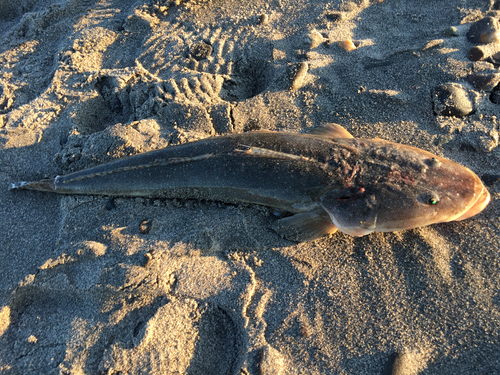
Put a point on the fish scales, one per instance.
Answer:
(328, 180)
(285, 168)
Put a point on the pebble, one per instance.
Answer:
(484, 31)
(298, 74)
(451, 99)
(313, 39)
(495, 95)
(495, 59)
(483, 81)
(145, 226)
(484, 51)
(451, 31)
(263, 19)
(201, 51)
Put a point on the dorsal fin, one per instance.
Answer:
(332, 131)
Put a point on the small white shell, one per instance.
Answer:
(348, 45)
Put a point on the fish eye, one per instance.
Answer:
(429, 198)
(433, 201)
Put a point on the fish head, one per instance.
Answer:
(421, 189)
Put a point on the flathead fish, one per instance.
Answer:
(326, 180)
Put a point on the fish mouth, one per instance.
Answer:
(479, 204)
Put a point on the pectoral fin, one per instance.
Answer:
(305, 226)
(353, 213)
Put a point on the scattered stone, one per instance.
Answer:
(313, 39)
(457, 30)
(201, 51)
(263, 19)
(484, 51)
(483, 81)
(495, 95)
(298, 74)
(145, 226)
(451, 99)
(495, 59)
(484, 31)
(451, 31)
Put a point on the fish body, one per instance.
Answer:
(328, 180)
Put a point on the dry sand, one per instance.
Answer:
(205, 287)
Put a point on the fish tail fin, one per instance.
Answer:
(43, 185)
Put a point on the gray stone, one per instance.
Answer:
(483, 81)
(495, 95)
(451, 99)
(486, 30)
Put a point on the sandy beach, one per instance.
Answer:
(94, 285)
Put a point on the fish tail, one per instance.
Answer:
(43, 185)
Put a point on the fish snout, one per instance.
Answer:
(479, 202)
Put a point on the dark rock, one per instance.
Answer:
(495, 59)
(484, 51)
(484, 81)
(495, 95)
(486, 30)
(451, 99)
